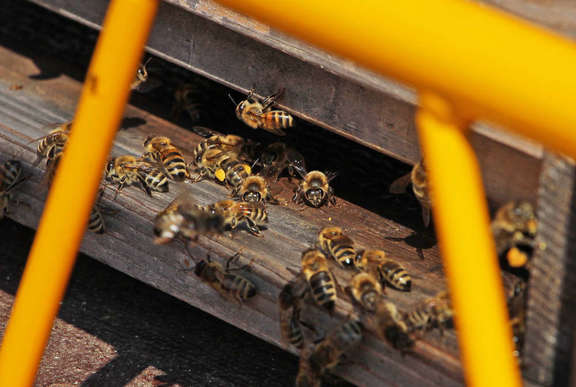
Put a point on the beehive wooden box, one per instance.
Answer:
(371, 110)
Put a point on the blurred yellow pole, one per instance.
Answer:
(488, 63)
(463, 228)
(106, 90)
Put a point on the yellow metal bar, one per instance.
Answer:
(462, 224)
(488, 63)
(114, 63)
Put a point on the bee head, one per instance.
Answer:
(199, 268)
(315, 196)
(252, 196)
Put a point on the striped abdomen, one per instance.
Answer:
(96, 221)
(394, 274)
(342, 250)
(174, 163)
(418, 319)
(236, 172)
(53, 139)
(10, 172)
(323, 289)
(257, 214)
(290, 327)
(239, 287)
(276, 119)
(155, 180)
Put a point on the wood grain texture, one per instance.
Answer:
(127, 245)
(240, 53)
(552, 295)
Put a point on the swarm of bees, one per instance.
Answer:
(373, 271)
(249, 170)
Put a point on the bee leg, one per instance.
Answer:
(272, 200)
(233, 258)
(253, 228)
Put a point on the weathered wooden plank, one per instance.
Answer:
(552, 294)
(127, 245)
(240, 53)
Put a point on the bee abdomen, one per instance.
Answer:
(157, 181)
(292, 330)
(175, 165)
(278, 119)
(96, 221)
(11, 169)
(393, 273)
(240, 287)
(323, 289)
(344, 255)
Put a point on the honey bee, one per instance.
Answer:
(315, 189)
(337, 245)
(366, 291)
(514, 228)
(96, 220)
(257, 114)
(230, 285)
(56, 137)
(517, 311)
(194, 99)
(319, 278)
(10, 177)
(183, 217)
(390, 326)
(254, 189)
(52, 160)
(127, 170)
(234, 214)
(141, 76)
(419, 186)
(161, 150)
(229, 144)
(233, 173)
(388, 270)
(433, 312)
(290, 302)
(330, 351)
(277, 157)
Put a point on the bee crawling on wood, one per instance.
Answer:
(183, 217)
(320, 279)
(224, 280)
(291, 301)
(330, 351)
(252, 215)
(10, 177)
(390, 326)
(257, 114)
(338, 246)
(315, 189)
(418, 178)
(127, 170)
(387, 270)
(58, 137)
(366, 291)
(433, 312)
(276, 158)
(514, 228)
(161, 150)
(254, 189)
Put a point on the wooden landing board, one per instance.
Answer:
(127, 246)
(241, 53)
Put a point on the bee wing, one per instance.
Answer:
(301, 171)
(330, 175)
(146, 86)
(277, 132)
(426, 216)
(399, 185)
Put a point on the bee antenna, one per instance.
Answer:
(232, 99)
(147, 61)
